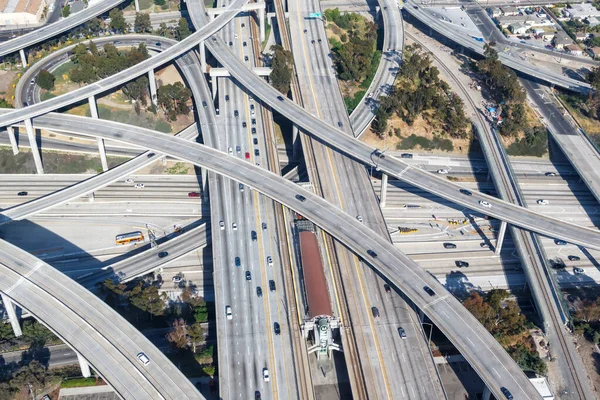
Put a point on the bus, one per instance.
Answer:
(129, 237)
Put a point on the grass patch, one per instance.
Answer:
(62, 73)
(209, 3)
(163, 126)
(145, 4)
(576, 105)
(414, 141)
(179, 168)
(44, 95)
(54, 162)
(534, 143)
(80, 382)
(267, 33)
(353, 102)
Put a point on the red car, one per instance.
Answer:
(247, 156)
(193, 194)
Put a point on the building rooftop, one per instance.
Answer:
(18, 6)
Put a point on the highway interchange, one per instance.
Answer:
(496, 370)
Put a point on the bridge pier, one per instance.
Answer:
(261, 19)
(295, 141)
(137, 6)
(214, 81)
(23, 58)
(34, 147)
(10, 308)
(83, 364)
(13, 139)
(152, 82)
(384, 181)
(203, 56)
(100, 141)
(204, 178)
(500, 239)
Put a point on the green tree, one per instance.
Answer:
(94, 25)
(147, 298)
(160, 2)
(281, 69)
(6, 331)
(178, 336)
(32, 375)
(173, 99)
(6, 392)
(66, 11)
(196, 334)
(163, 30)
(36, 334)
(117, 21)
(142, 23)
(137, 90)
(183, 29)
(45, 80)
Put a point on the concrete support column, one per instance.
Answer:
(500, 239)
(23, 58)
(295, 141)
(137, 6)
(486, 395)
(261, 18)
(10, 308)
(100, 141)
(204, 178)
(384, 181)
(13, 139)
(34, 147)
(83, 364)
(203, 56)
(152, 82)
(214, 81)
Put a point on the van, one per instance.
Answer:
(228, 312)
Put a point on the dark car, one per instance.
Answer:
(245, 44)
(484, 245)
(193, 194)
(300, 197)
(280, 98)
(312, 41)
(253, 236)
(158, 44)
(387, 288)
(163, 254)
(236, 113)
(226, 97)
(231, 43)
(245, 58)
(253, 121)
(340, 124)
(272, 285)
(449, 246)
(402, 333)
(204, 104)
(465, 192)
(248, 276)
(264, 226)
(461, 264)
(259, 291)
(255, 141)
(256, 152)
(244, 124)
(238, 262)
(506, 393)
(429, 290)
(560, 242)
(574, 258)
(257, 395)
(276, 328)
(253, 130)
(406, 155)
(22, 194)
(375, 312)
(150, 155)
(372, 253)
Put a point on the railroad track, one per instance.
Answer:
(530, 242)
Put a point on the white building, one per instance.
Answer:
(581, 11)
(21, 13)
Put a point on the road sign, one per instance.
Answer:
(315, 15)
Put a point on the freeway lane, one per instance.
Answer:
(105, 339)
(128, 74)
(488, 358)
(440, 186)
(51, 30)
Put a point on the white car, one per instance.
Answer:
(485, 203)
(359, 218)
(235, 36)
(222, 225)
(129, 180)
(270, 261)
(228, 312)
(579, 271)
(177, 279)
(442, 171)
(139, 185)
(230, 151)
(234, 226)
(143, 358)
(543, 202)
(266, 375)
